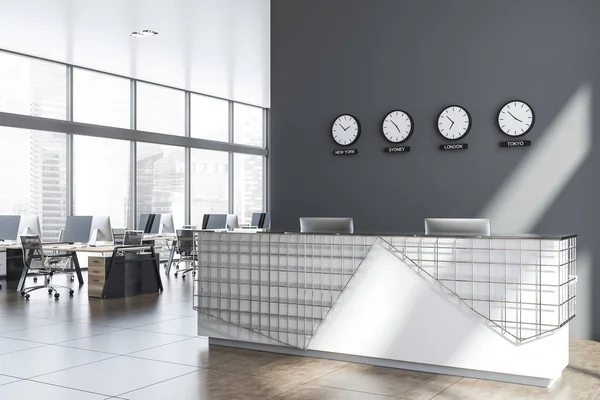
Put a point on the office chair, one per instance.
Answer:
(61, 235)
(133, 238)
(186, 248)
(118, 235)
(36, 261)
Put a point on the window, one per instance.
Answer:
(101, 179)
(210, 184)
(248, 125)
(160, 109)
(209, 118)
(161, 180)
(101, 99)
(32, 87)
(248, 186)
(35, 177)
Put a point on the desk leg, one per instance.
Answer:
(157, 268)
(170, 259)
(77, 268)
(15, 269)
(21, 284)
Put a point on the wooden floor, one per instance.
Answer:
(146, 348)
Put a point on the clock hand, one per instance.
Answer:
(449, 119)
(514, 117)
(395, 125)
(342, 126)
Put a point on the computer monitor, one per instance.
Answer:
(261, 220)
(326, 225)
(101, 229)
(214, 221)
(9, 227)
(458, 226)
(78, 229)
(232, 222)
(149, 223)
(30, 225)
(166, 224)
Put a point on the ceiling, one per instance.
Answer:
(217, 47)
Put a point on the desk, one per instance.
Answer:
(167, 238)
(16, 271)
(127, 271)
(483, 307)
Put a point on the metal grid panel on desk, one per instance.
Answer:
(280, 286)
(524, 287)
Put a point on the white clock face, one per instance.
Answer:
(454, 123)
(516, 118)
(345, 130)
(397, 126)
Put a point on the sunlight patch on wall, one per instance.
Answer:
(538, 180)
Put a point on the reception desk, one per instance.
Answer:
(484, 307)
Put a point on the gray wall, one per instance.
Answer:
(368, 57)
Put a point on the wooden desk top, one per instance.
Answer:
(80, 248)
(160, 237)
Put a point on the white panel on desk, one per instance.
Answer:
(388, 311)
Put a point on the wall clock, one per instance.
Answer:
(345, 130)
(398, 126)
(516, 118)
(454, 123)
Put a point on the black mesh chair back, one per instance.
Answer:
(133, 238)
(186, 247)
(33, 255)
(185, 242)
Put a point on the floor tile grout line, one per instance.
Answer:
(454, 383)
(33, 378)
(31, 327)
(29, 348)
(67, 387)
(64, 341)
(163, 361)
(361, 391)
(161, 345)
(113, 326)
(163, 333)
(156, 383)
(125, 354)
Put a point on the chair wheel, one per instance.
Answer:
(193, 273)
(72, 279)
(22, 293)
(34, 279)
(27, 296)
(183, 276)
(175, 274)
(71, 292)
(56, 295)
(49, 291)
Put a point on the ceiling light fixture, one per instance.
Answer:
(136, 35)
(148, 32)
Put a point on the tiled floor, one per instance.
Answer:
(146, 348)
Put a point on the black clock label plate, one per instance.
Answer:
(455, 146)
(516, 143)
(345, 152)
(397, 149)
